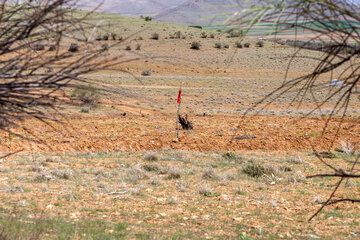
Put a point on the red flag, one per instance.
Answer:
(179, 96)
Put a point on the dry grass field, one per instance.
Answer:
(114, 169)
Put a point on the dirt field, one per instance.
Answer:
(115, 170)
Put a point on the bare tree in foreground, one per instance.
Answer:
(44, 49)
(335, 25)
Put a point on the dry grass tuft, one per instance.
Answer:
(205, 190)
(152, 157)
(208, 173)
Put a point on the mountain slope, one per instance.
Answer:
(130, 7)
(199, 12)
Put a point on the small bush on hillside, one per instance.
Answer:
(259, 44)
(104, 47)
(238, 45)
(208, 173)
(98, 37)
(177, 35)
(105, 37)
(174, 173)
(229, 155)
(195, 45)
(128, 48)
(226, 46)
(87, 94)
(212, 36)
(217, 45)
(138, 47)
(219, 30)
(148, 18)
(155, 36)
(205, 190)
(203, 35)
(120, 38)
(246, 45)
(38, 47)
(140, 38)
(146, 73)
(254, 170)
(152, 157)
(74, 47)
(235, 33)
(113, 36)
(52, 48)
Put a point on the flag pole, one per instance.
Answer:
(177, 115)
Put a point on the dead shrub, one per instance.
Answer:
(181, 186)
(174, 173)
(205, 190)
(208, 173)
(152, 157)
(296, 177)
(63, 173)
(135, 174)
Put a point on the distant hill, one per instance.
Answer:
(131, 7)
(188, 12)
(200, 12)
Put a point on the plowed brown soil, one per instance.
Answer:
(157, 131)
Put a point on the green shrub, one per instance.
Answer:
(74, 47)
(195, 45)
(87, 94)
(148, 18)
(154, 36)
(203, 35)
(146, 73)
(217, 45)
(104, 46)
(235, 33)
(238, 45)
(105, 37)
(259, 44)
(254, 170)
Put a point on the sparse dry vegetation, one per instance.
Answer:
(114, 168)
